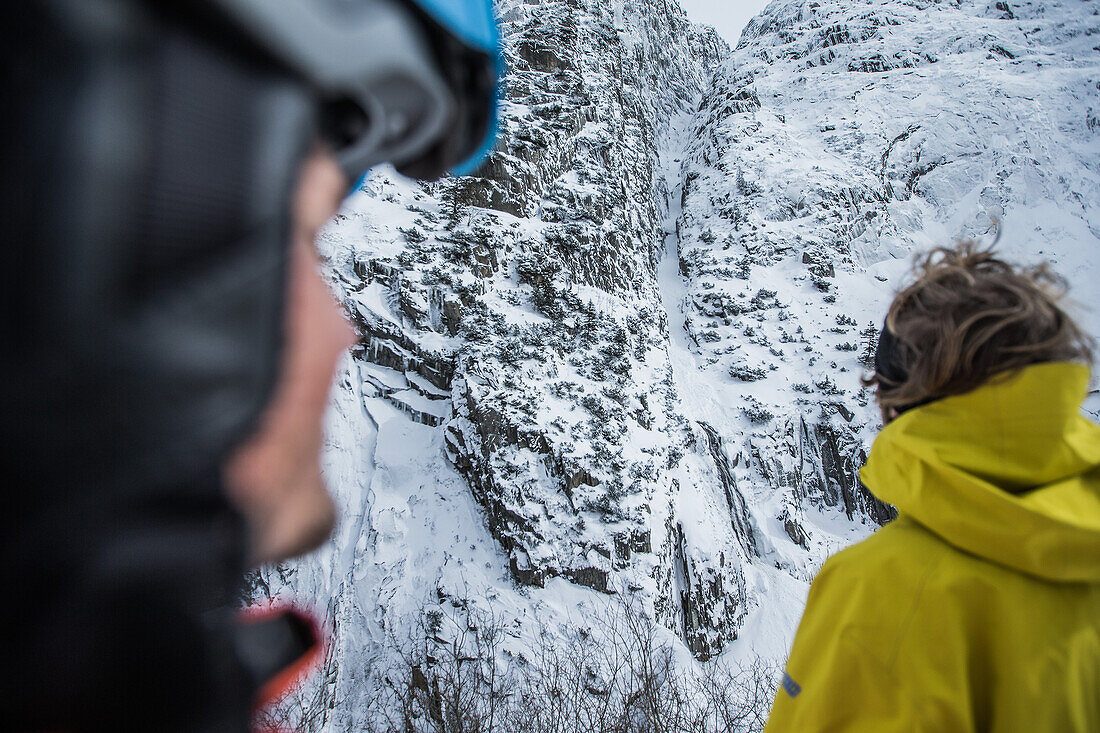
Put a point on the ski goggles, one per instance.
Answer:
(408, 82)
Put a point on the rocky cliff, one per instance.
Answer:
(623, 359)
(519, 311)
(839, 138)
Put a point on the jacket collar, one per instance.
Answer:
(1009, 472)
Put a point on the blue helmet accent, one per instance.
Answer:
(471, 21)
(415, 83)
(474, 23)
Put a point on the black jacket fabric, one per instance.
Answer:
(147, 164)
(123, 617)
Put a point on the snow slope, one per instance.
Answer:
(622, 361)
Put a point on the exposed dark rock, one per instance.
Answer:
(706, 594)
(739, 512)
(794, 530)
(837, 481)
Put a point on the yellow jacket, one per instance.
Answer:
(978, 609)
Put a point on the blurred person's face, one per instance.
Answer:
(274, 478)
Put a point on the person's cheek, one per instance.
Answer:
(326, 333)
(333, 325)
(275, 476)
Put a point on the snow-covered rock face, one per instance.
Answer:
(560, 413)
(625, 358)
(514, 319)
(842, 136)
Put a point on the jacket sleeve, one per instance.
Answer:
(833, 682)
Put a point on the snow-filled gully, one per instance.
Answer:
(776, 598)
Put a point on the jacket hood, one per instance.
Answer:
(1009, 472)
